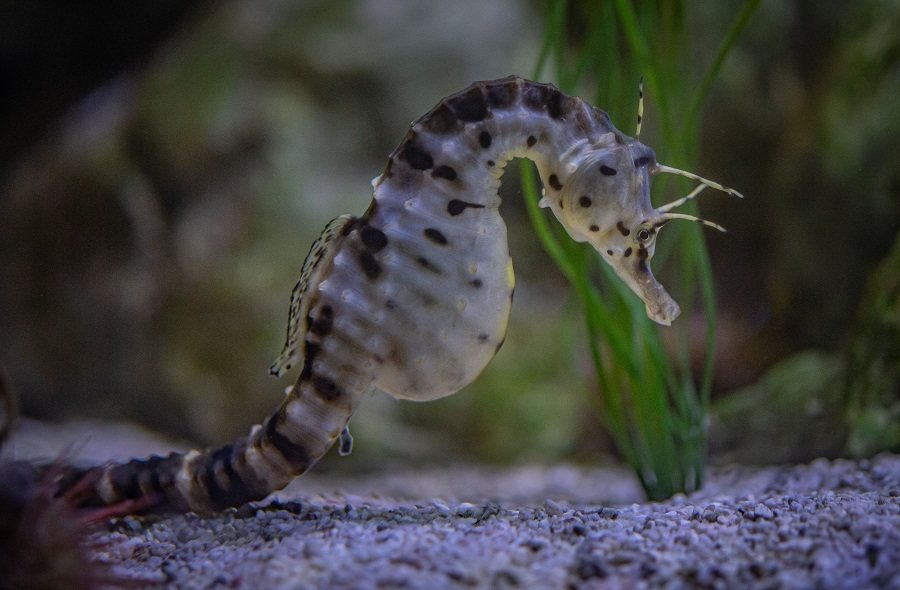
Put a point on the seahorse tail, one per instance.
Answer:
(178, 482)
(284, 446)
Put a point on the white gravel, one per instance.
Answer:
(823, 525)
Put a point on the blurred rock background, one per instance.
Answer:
(165, 166)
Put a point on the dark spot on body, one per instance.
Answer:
(445, 172)
(537, 96)
(621, 227)
(440, 121)
(235, 492)
(642, 253)
(312, 350)
(370, 266)
(609, 252)
(205, 469)
(585, 201)
(418, 158)
(322, 325)
(556, 104)
(607, 171)
(390, 304)
(148, 478)
(124, 480)
(240, 492)
(326, 388)
(350, 225)
(455, 206)
(257, 488)
(484, 139)
(428, 265)
(594, 228)
(483, 337)
(295, 454)
(491, 163)
(642, 161)
(627, 252)
(553, 181)
(435, 236)
(470, 106)
(531, 141)
(373, 238)
(476, 283)
(501, 95)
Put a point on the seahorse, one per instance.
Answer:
(413, 297)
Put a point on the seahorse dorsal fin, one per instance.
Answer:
(322, 251)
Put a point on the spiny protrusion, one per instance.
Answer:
(457, 206)
(668, 169)
(640, 117)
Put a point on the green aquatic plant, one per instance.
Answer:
(649, 400)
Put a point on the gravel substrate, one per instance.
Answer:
(823, 525)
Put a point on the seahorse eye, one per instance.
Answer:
(644, 235)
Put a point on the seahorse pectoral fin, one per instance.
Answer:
(636, 273)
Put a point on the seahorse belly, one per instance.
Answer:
(445, 295)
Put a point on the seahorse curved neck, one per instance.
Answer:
(463, 144)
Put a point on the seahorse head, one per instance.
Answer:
(606, 202)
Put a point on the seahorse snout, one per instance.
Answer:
(661, 308)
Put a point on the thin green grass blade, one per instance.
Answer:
(650, 405)
(734, 31)
(554, 32)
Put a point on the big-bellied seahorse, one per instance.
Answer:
(413, 297)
